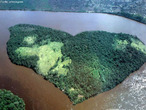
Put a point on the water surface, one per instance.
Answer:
(40, 94)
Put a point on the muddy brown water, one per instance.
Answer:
(39, 94)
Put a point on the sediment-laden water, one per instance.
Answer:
(38, 93)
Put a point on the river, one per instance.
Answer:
(39, 94)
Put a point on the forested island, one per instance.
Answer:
(81, 66)
(9, 101)
(132, 9)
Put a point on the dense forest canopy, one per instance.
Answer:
(9, 101)
(81, 66)
(77, 5)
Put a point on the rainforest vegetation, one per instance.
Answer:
(9, 101)
(81, 66)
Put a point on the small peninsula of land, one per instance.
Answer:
(81, 66)
(9, 101)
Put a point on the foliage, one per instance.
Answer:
(24, 5)
(135, 17)
(9, 101)
(83, 65)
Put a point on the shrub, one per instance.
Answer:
(9, 101)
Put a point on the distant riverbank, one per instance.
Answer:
(135, 17)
